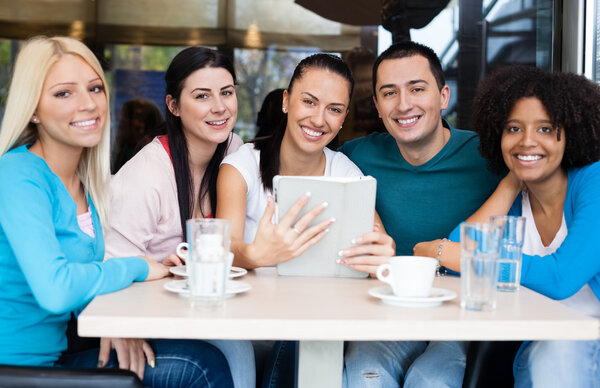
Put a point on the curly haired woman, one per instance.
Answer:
(544, 128)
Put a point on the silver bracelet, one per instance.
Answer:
(439, 252)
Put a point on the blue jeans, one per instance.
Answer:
(240, 357)
(280, 366)
(404, 364)
(574, 364)
(179, 363)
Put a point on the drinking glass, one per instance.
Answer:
(208, 240)
(479, 251)
(511, 246)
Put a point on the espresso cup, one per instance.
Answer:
(409, 276)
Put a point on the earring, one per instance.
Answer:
(284, 110)
(35, 120)
(341, 126)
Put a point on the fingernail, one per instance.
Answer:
(307, 194)
(326, 230)
(324, 205)
(152, 364)
(356, 240)
(341, 261)
(342, 253)
(100, 364)
(331, 221)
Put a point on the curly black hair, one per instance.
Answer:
(571, 101)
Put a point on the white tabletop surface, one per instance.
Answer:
(327, 309)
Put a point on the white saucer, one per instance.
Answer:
(234, 272)
(435, 298)
(181, 287)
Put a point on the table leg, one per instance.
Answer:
(320, 364)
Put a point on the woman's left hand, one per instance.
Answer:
(375, 249)
(131, 354)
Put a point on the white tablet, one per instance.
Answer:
(351, 201)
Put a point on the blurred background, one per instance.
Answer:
(136, 39)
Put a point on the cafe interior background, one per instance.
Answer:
(136, 39)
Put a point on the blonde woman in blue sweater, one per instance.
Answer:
(54, 164)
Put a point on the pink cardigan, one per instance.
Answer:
(144, 216)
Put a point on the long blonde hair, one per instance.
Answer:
(31, 68)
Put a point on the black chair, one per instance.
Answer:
(28, 376)
(490, 364)
(35, 376)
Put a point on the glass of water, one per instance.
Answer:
(479, 251)
(208, 241)
(511, 246)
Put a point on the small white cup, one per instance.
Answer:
(409, 276)
(183, 252)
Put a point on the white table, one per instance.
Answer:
(322, 313)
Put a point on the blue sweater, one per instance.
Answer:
(577, 261)
(48, 266)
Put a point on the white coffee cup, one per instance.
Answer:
(183, 252)
(409, 276)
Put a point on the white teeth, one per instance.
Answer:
(529, 158)
(310, 132)
(84, 123)
(408, 121)
(216, 122)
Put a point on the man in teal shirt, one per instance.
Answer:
(430, 177)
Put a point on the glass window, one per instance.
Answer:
(596, 40)
(267, 39)
(259, 72)
(5, 69)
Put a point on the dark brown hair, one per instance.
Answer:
(570, 100)
(270, 147)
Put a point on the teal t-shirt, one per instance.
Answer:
(422, 203)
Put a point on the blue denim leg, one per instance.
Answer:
(379, 364)
(441, 365)
(179, 363)
(240, 357)
(574, 364)
(280, 367)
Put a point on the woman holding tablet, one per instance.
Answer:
(54, 200)
(315, 105)
(544, 128)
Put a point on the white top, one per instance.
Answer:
(144, 214)
(247, 160)
(584, 300)
(85, 223)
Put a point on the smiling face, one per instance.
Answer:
(409, 102)
(73, 106)
(317, 106)
(530, 147)
(207, 105)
